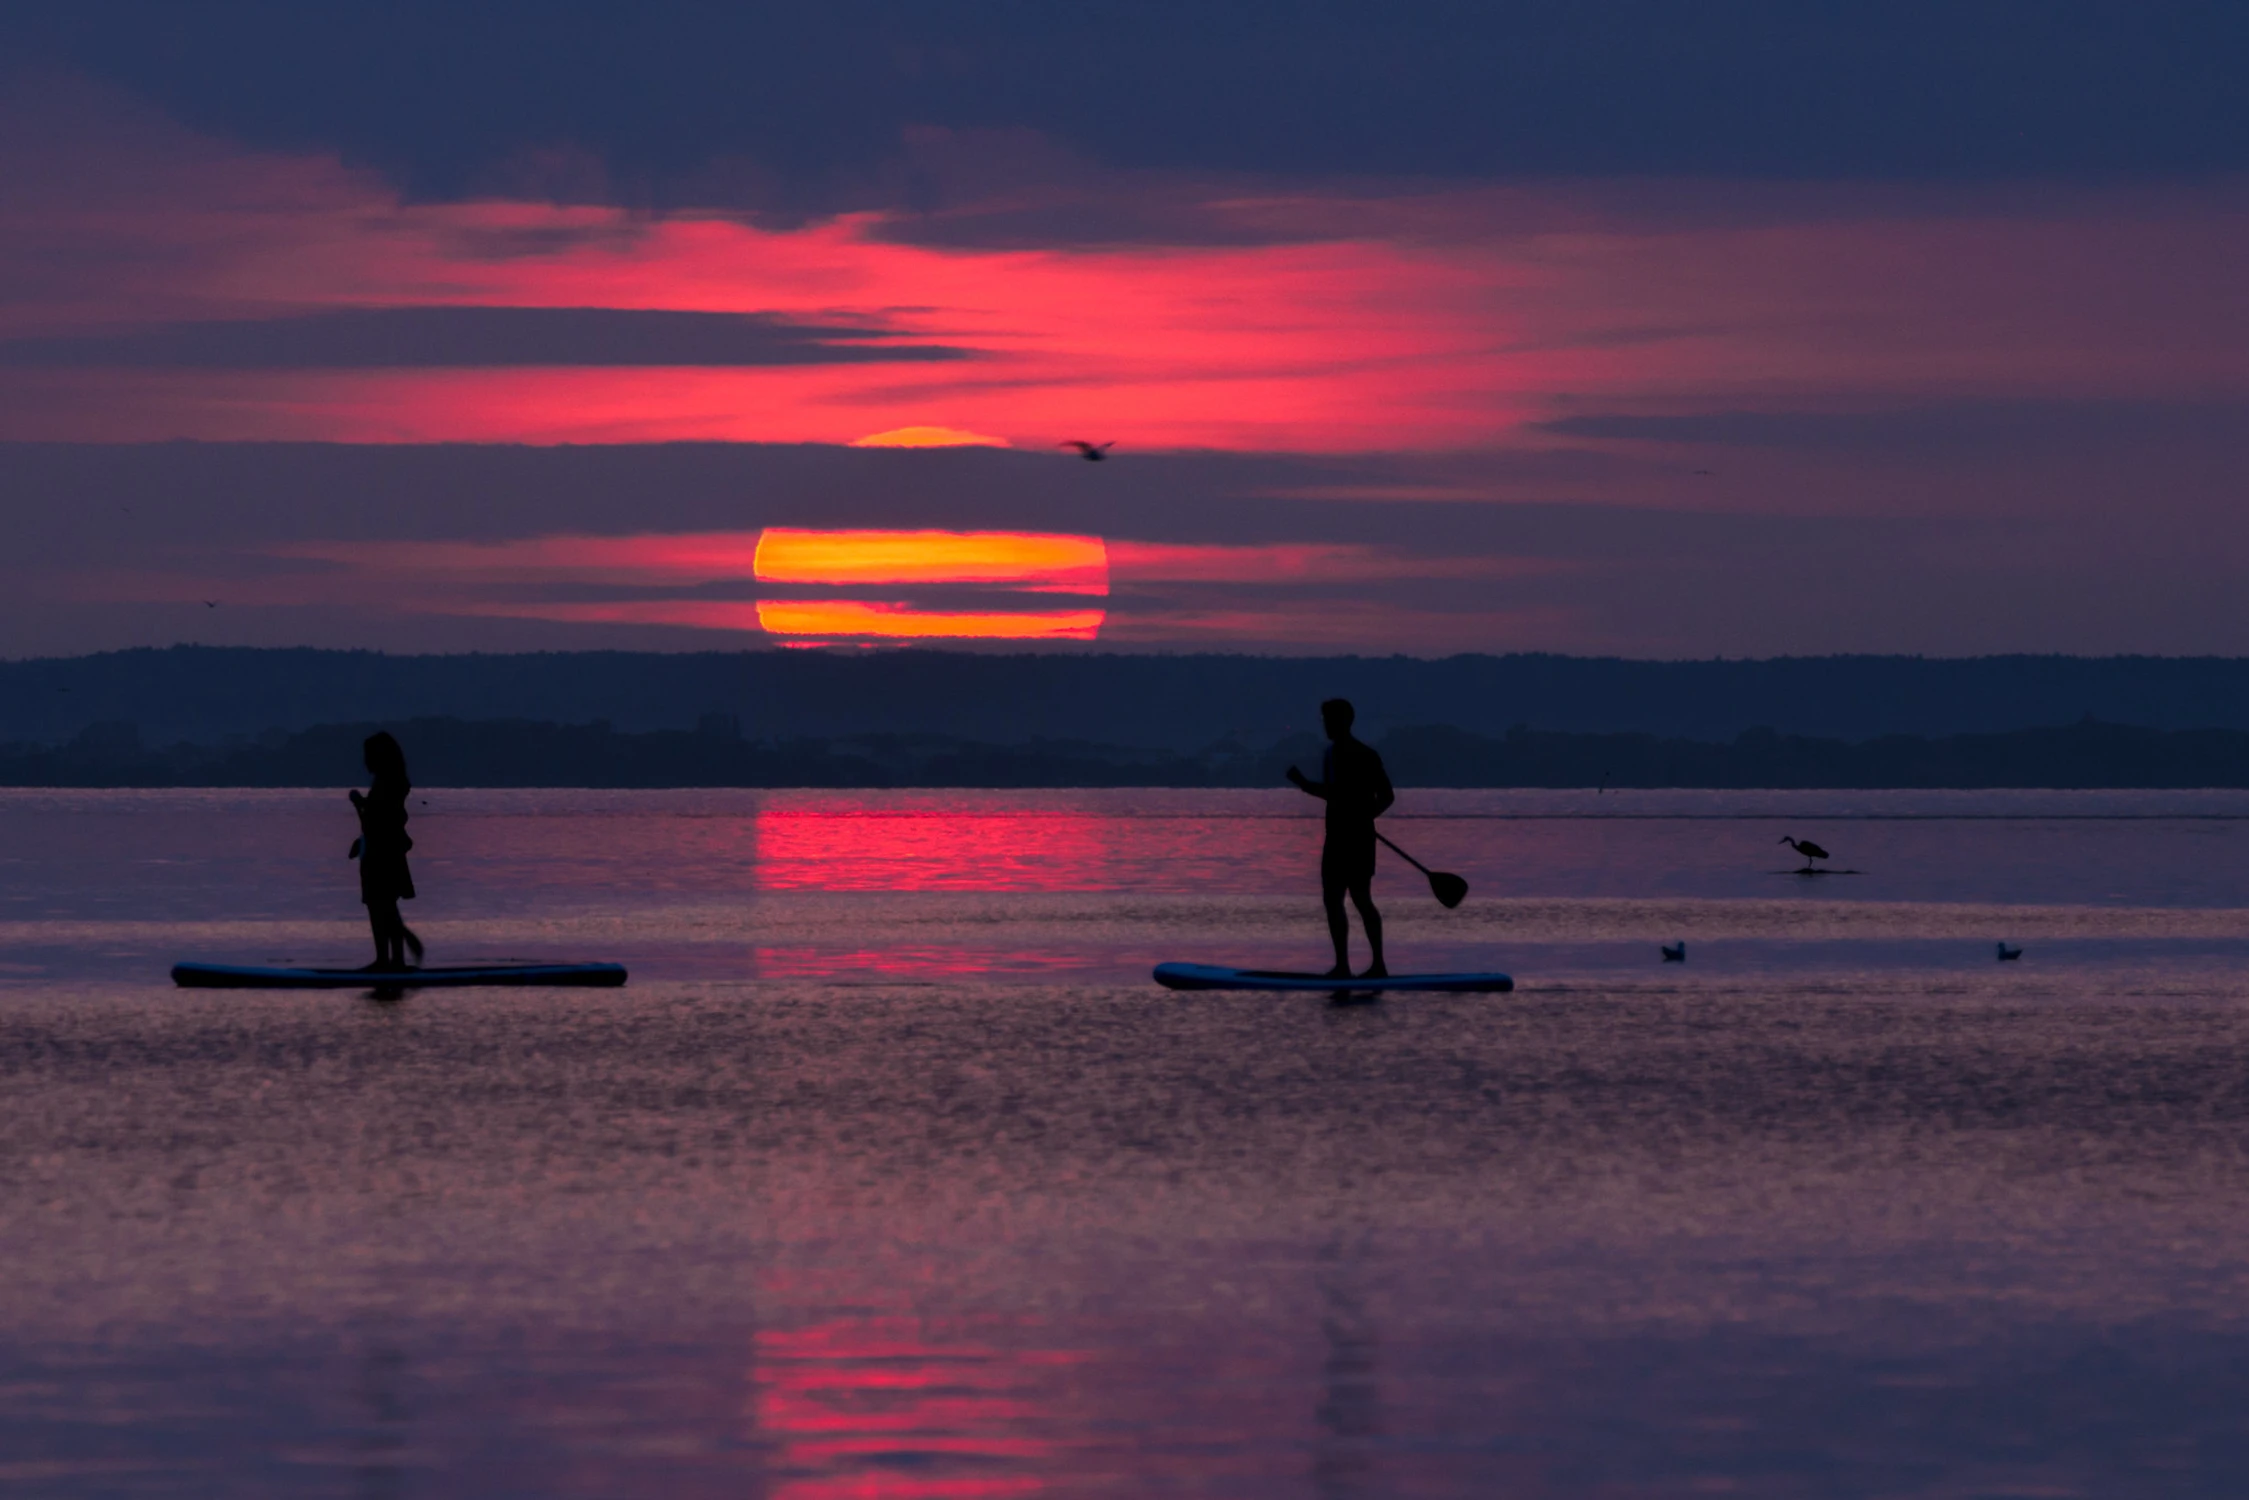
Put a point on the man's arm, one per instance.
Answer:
(1307, 785)
(1384, 796)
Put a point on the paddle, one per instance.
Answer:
(1450, 890)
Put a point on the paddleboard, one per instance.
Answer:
(1218, 977)
(251, 977)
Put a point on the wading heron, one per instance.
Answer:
(1808, 849)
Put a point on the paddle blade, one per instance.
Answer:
(1450, 890)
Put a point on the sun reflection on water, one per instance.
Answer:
(880, 1407)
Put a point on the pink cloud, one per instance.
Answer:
(1392, 321)
(695, 557)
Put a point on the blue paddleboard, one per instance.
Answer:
(250, 977)
(1218, 977)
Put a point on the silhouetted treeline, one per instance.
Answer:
(1177, 703)
(520, 753)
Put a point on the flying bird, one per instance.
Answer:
(1673, 953)
(1808, 849)
(1093, 452)
(210, 604)
(1707, 473)
(2008, 955)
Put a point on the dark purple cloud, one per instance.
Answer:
(809, 102)
(438, 337)
(1921, 429)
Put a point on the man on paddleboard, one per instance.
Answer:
(1357, 791)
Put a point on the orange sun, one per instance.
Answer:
(928, 437)
(1017, 562)
(1037, 561)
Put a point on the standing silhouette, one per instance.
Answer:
(1357, 791)
(384, 880)
(1809, 850)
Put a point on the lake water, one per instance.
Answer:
(890, 1174)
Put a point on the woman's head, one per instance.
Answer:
(385, 760)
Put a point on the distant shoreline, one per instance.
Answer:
(456, 752)
(1178, 706)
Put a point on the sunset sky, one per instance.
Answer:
(1644, 328)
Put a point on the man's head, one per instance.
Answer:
(1336, 717)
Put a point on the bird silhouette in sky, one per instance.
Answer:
(2007, 954)
(1707, 473)
(210, 604)
(1092, 452)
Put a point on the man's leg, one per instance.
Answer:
(1339, 926)
(1362, 896)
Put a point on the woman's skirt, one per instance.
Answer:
(384, 878)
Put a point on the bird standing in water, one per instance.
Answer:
(1093, 453)
(1809, 850)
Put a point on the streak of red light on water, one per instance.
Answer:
(802, 962)
(842, 1401)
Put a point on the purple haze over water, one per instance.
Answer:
(890, 1174)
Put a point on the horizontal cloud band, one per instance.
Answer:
(956, 584)
(820, 619)
(473, 337)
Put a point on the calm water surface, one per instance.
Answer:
(891, 1175)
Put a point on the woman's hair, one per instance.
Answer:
(385, 760)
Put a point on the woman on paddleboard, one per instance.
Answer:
(384, 880)
(1357, 790)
